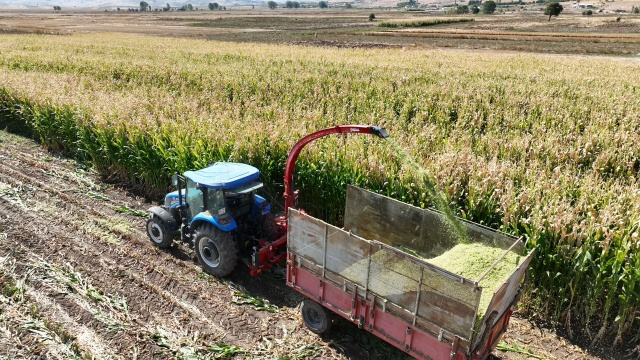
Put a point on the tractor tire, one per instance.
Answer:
(315, 316)
(159, 232)
(216, 250)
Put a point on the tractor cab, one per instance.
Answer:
(222, 193)
(219, 201)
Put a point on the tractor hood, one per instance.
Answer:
(224, 175)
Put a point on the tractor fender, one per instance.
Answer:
(165, 216)
(208, 218)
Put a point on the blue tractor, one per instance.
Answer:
(217, 211)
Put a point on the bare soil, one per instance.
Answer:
(80, 279)
(519, 28)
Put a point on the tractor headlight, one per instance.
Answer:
(222, 211)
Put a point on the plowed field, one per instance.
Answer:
(79, 279)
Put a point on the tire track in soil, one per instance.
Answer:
(43, 245)
(163, 288)
(130, 270)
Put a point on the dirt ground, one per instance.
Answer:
(80, 279)
(519, 28)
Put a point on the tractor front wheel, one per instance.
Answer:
(159, 233)
(315, 316)
(216, 250)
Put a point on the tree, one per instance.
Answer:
(57, 8)
(189, 7)
(211, 7)
(289, 4)
(348, 6)
(144, 6)
(372, 17)
(460, 9)
(553, 9)
(272, 5)
(296, 4)
(489, 7)
(475, 9)
(323, 5)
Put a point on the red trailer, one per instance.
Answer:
(422, 309)
(367, 271)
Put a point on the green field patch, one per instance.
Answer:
(421, 22)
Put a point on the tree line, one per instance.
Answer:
(294, 5)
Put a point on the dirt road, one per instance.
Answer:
(79, 279)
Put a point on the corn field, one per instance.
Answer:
(546, 147)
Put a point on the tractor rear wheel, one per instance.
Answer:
(315, 316)
(216, 250)
(159, 233)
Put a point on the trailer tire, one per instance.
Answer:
(315, 316)
(159, 232)
(216, 251)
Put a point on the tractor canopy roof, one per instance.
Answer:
(224, 175)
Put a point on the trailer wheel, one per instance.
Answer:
(159, 233)
(216, 250)
(315, 316)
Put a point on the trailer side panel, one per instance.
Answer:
(427, 232)
(424, 292)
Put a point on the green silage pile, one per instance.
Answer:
(391, 276)
(472, 260)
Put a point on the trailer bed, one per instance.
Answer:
(374, 273)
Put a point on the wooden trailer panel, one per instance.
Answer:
(369, 314)
(502, 300)
(427, 232)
